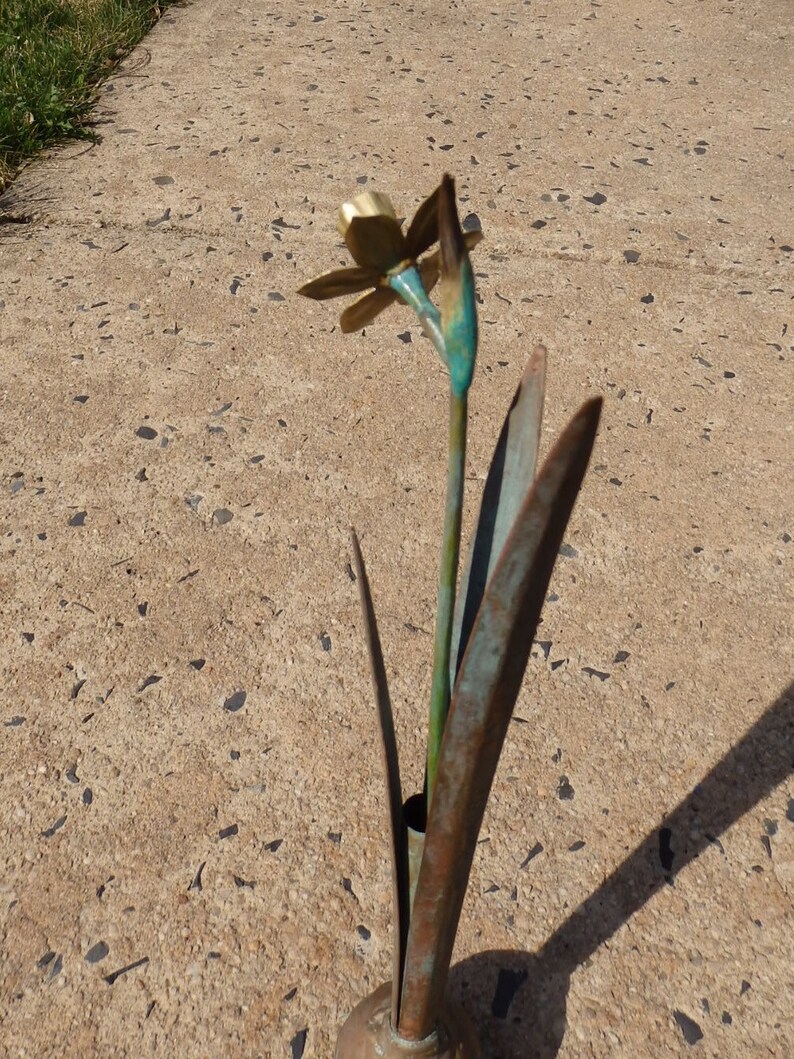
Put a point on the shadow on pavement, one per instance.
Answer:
(518, 999)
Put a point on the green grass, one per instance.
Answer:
(53, 55)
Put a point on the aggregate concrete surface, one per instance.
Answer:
(194, 857)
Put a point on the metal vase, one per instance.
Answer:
(368, 1032)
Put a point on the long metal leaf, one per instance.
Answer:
(511, 473)
(399, 834)
(488, 684)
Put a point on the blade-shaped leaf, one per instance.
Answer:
(511, 473)
(488, 683)
(399, 835)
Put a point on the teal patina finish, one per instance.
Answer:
(460, 336)
(408, 284)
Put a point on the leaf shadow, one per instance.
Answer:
(518, 999)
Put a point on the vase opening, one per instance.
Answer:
(415, 813)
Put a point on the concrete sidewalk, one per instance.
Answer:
(194, 859)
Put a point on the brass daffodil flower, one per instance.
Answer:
(375, 239)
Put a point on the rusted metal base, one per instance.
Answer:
(368, 1034)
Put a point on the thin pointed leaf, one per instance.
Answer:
(488, 684)
(511, 473)
(399, 835)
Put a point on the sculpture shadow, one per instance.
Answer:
(518, 999)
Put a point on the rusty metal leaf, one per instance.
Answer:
(511, 473)
(488, 683)
(399, 834)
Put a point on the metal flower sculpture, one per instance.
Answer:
(374, 236)
(485, 625)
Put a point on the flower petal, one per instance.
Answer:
(423, 231)
(430, 270)
(367, 204)
(339, 281)
(472, 238)
(364, 309)
(430, 266)
(376, 242)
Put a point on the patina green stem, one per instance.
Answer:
(450, 549)
(408, 284)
